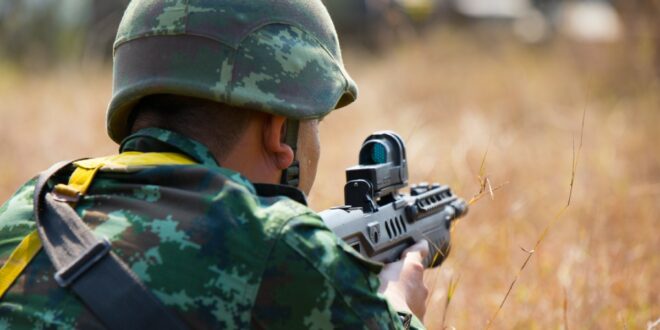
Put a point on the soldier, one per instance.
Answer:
(214, 104)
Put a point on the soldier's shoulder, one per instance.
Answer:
(16, 218)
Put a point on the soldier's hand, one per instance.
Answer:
(401, 282)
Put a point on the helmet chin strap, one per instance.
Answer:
(291, 175)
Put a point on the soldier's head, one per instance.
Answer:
(237, 75)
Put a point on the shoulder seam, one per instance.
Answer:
(339, 292)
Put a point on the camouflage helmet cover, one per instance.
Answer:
(280, 57)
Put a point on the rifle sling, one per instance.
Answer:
(86, 265)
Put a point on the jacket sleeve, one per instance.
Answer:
(313, 280)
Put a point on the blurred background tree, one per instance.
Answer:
(642, 21)
(38, 33)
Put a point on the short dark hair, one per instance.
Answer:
(218, 126)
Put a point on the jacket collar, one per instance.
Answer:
(154, 139)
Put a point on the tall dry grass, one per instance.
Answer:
(453, 96)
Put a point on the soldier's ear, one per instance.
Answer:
(274, 134)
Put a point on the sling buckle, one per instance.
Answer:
(87, 259)
(66, 194)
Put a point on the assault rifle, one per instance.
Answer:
(380, 222)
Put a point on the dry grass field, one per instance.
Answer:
(454, 97)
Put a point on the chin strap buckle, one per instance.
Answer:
(291, 175)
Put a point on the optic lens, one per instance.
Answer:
(378, 154)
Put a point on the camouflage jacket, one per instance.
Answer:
(208, 245)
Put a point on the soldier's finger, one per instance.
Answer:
(420, 249)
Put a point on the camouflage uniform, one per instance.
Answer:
(215, 249)
(207, 245)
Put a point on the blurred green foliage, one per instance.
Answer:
(36, 33)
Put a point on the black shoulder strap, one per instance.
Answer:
(85, 264)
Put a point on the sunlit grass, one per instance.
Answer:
(453, 96)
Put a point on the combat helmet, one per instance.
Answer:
(280, 57)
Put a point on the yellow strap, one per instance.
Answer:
(81, 179)
(18, 260)
(79, 182)
(86, 169)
